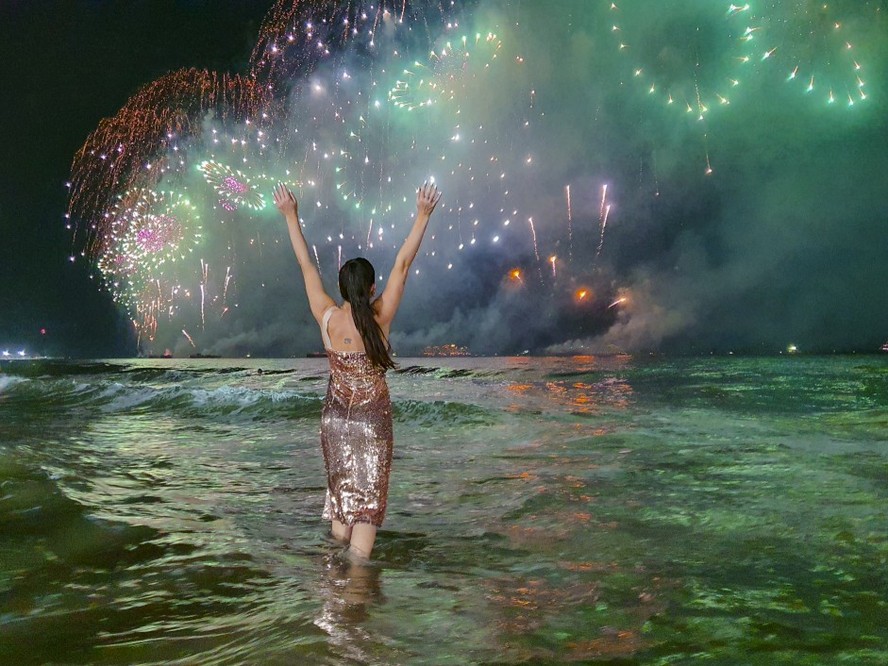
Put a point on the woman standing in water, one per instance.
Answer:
(356, 422)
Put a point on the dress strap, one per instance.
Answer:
(325, 321)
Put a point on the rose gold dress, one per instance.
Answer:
(356, 437)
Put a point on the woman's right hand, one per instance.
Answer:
(285, 201)
(427, 197)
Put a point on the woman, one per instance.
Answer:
(356, 423)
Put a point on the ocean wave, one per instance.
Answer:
(125, 397)
(417, 412)
(447, 373)
(120, 395)
(8, 381)
(231, 401)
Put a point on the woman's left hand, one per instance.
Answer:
(427, 197)
(285, 201)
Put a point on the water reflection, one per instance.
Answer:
(582, 385)
(348, 591)
(542, 511)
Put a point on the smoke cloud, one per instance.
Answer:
(759, 225)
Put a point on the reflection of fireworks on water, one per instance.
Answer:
(234, 188)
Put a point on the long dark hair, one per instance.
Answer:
(356, 277)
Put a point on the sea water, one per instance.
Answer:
(542, 510)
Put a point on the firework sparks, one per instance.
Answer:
(607, 209)
(536, 250)
(234, 188)
(677, 62)
(189, 338)
(228, 277)
(345, 126)
(134, 145)
(823, 64)
(569, 223)
(450, 72)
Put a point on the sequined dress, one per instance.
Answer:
(356, 437)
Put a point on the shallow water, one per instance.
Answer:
(635, 510)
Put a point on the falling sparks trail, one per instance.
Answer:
(536, 250)
(339, 260)
(552, 260)
(617, 302)
(607, 210)
(570, 237)
(225, 287)
(706, 148)
(603, 212)
(317, 259)
(188, 337)
(205, 273)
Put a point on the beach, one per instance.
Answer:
(640, 509)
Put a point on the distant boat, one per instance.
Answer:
(446, 350)
(316, 354)
(884, 347)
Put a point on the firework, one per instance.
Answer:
(234, 188)
(812, 46)
(569, 223)
(536, 250)
(449, 73)
(604, 216)
(147, 229)
(691, 58)
(296, 36)
(189, 338)
(354, 152)
(133, 147)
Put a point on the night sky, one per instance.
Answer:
(760, 225)
(66, 65)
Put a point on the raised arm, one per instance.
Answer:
(318, 299)
(427, 198)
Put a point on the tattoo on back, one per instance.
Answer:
(348, 341)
